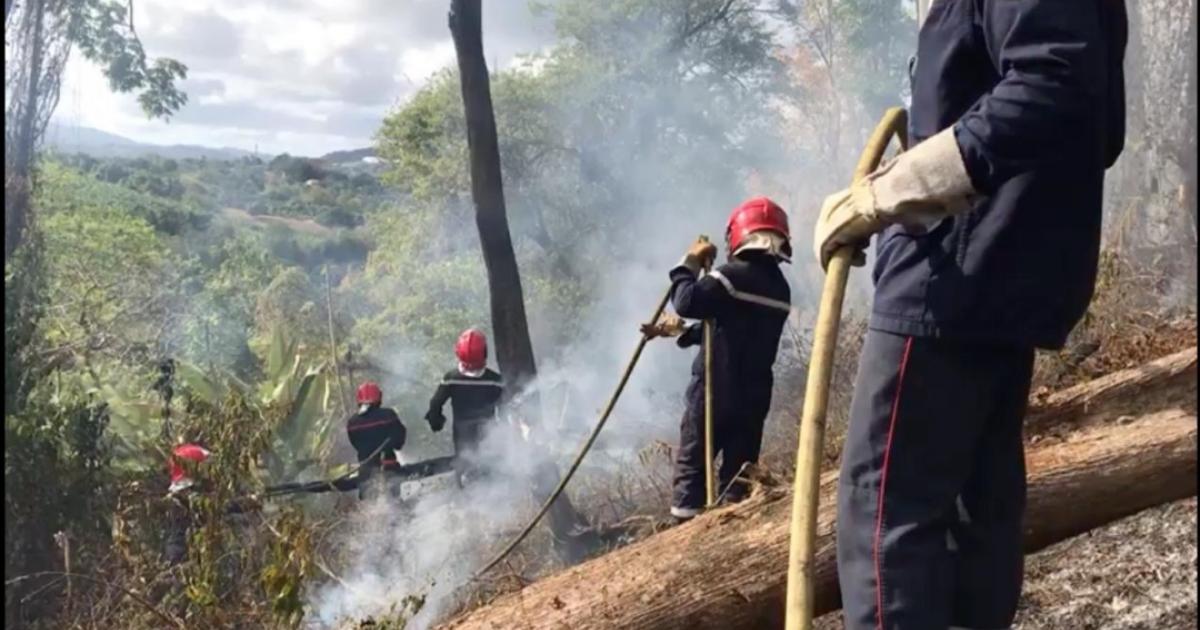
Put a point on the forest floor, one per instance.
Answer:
(1138, 573)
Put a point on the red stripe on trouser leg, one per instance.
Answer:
(887, 453)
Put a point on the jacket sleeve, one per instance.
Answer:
(398, 434)
(692, 336)
(697, 298)
(434, 415)
(1052, 57)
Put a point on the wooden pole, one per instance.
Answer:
(337, 373)
(710, 478)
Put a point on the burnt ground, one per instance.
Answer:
(1138, 573)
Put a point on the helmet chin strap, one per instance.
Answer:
(767, 241)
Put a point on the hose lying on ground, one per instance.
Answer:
(350, 481)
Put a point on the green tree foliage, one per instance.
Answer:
(294, 169)
(138, 193)
(217, 333)
(24, 305)
(103, 32)
(114, 284)
(57, 481)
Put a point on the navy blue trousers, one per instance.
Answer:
(932, 489)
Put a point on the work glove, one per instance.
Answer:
(699, 256)
(436, 421)
(918, 188)
(668, 325)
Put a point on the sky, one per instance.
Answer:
(299, 76)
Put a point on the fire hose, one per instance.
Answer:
(806, 490)
(587, 445)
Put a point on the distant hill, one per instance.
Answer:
(78, 139)
(352, 155)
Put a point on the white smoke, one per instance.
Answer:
(430, 547)
(426, 546)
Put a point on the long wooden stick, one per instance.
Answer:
(337, 373)
(710, 478)
(801, 599)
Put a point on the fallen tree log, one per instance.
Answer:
(1165, 383)
(726, 569)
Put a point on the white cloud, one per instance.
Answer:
(418, 64)
(302, 76)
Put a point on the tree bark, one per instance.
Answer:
(18, 172)
(1160, 384)
(727, 568)
(514, 351)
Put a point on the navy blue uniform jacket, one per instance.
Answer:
(745, 337)
(1035, 92)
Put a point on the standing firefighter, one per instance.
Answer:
(474, 392)
(989, 239)
(749, 300)
(375, 432)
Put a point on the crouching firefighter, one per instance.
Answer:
(185, 467)
(474, 391)
(748, 300)
(182, 487)
(376, 434)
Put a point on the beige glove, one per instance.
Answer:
(668, 325)
(699, 256)
(919, 188)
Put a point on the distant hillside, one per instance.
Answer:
(352, 155)
(77, 139)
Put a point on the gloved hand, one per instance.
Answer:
(699, 256)
(436, 421)
(919, 188)
(668, 325)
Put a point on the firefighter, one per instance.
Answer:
(376, 434)
(183, 486)
(474, 392)
(749, 301)
(989, 234)
(185, 468)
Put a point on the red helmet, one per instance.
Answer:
(190, 452)
(758, 213)
(472, 349)
(369, 393)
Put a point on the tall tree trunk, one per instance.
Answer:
(1189, 161)
(514, 351)
(19, 169)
